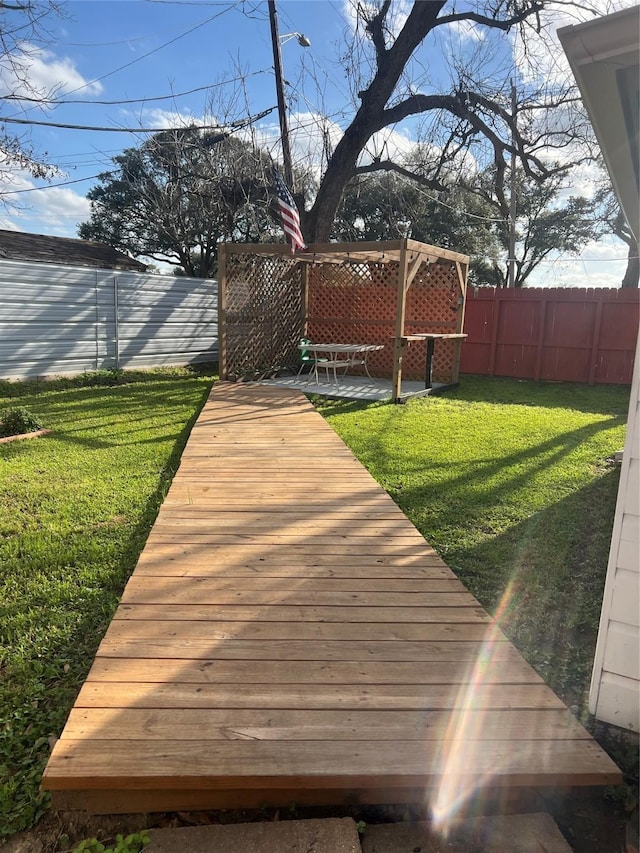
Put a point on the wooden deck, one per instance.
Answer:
(288, 635)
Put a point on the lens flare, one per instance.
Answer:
(462, 739)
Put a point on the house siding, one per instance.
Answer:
(615, 686)
(58, 320)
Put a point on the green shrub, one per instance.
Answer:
(18, 421)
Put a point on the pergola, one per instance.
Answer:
(400, 293)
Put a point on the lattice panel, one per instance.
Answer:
(263, 314)
(357, 303)
(432, 306)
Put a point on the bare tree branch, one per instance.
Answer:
(504, 24)
(390, 166)
(374, 26)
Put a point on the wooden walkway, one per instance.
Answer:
(288, 635)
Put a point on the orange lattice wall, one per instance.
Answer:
(357, 303)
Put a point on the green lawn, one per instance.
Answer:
(507, 479)
(75, 510)
(510, 481)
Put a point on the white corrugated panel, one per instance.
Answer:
(63, 319)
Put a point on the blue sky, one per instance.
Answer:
(139, 50)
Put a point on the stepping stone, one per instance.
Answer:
(330, 835)
(529, 833)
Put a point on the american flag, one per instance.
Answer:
(288, 213)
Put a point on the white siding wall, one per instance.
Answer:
(615, 685)
(65, 319)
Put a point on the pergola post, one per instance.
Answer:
(222, 304)
(398, 343)
(462, 270)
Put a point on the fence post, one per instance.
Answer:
(115, 317)
(97, 320)
(540, 341)
(595, 343)
(222, 311)
(497, 302)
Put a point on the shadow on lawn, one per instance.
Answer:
(600, 399)
(523, 466)
(55, 676)
(90, 405)
(555, 613)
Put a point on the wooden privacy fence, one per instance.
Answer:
(554, 334)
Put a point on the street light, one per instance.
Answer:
(303, 41)
(282, 106)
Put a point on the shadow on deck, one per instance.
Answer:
(288, 635)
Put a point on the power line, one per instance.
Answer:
(449, 206)
(223, 133)
(60, 101)
(151, 52)
(155, 49)
(51, 186)
(62, 126)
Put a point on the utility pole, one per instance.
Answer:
(511, 260)
(282, 104)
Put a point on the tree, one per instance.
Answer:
(177, 195)
(470, 114)
(614, 222)
(545, 223)
(468, 123)
(22, 26)
(388, 206)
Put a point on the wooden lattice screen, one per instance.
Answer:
(358, 302)
(339, 293)
(262, 312)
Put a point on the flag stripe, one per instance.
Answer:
(288, 213)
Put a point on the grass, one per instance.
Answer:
(508, 480)
(75, 510)
(513, 483)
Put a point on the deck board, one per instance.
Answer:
(289, 634)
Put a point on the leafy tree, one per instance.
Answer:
(177, 195)
(385, 207)
(614, 222)
(545, 223)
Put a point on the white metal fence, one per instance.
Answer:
(64, 319)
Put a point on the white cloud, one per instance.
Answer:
(45, 72)
(600, 264)
(61, 202)
(465, 31)
(388, 144)
(543, 61)
(164, 118)
(311, 136)
(44, 210)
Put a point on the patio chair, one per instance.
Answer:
(307, 359)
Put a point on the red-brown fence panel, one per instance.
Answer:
(556, 334)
